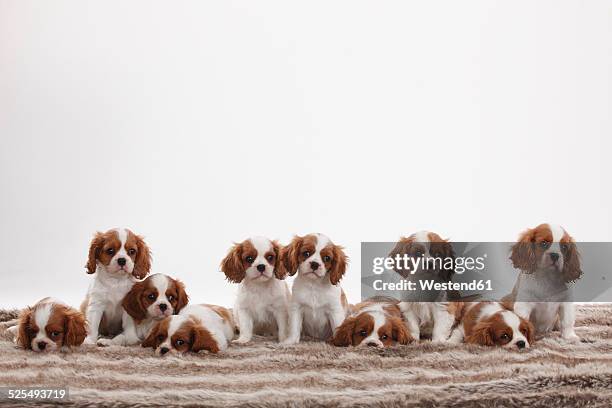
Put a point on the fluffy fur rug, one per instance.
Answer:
(264, 374)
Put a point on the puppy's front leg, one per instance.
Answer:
(128, 337)
(523, 309)
(413, 324)
(457, 335)
(281, 315)
(567, 319)
(336, 317)
(295, 324)
(245, 323)
(94, 316)
(443, 322)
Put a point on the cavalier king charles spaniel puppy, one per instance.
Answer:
(549, 263)
(195, 328)
(118, 258)
(263, 297)
(50, 325)
(492, 324)
(373, 324)
(437, 315)
(148, 301)
(318, 303)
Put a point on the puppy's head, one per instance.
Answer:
(373, 328)
(316, 257)
(179, 334)
(155, 297)
(119, 251)
(49, 326)
(256, 259)
(547, 247)
(503, 329)
(433, 251)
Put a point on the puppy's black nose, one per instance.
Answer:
(314, 265)
(261, 267)
(42, 345)
(121, 261)
(554, 257)
(163, 307)
(372, 344)
(520, 344)
(164, 350)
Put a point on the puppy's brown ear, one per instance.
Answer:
(182, 298)
(132, 302)
(75, 328)
(339, 261)
(280, 271)
(399, 331)
(528, 331)
(343, 337)
(571, 262)
(523, 254)
(94, 251)
(25, 335)
(201, 339)
(232, 265)
(444, 250)
(481, 334)
(290, 255)
(402, 247)
(152, 340)
(142, 264)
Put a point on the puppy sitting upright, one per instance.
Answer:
(148, 301)
(263, 297)
(118, 258)
(549, 262)
(318, 303)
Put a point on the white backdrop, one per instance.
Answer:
(199, 123)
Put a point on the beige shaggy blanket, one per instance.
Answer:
(263, 374)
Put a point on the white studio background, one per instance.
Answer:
(199, 123)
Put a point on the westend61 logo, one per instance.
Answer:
(411, 264)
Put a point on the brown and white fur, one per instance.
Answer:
(435, 317)
(118, 258)
(195, 328)
(263, 296)
(492, 324)
(156, 297)
(50, 325)
(372, 324)
(318, 303)
(549, 264)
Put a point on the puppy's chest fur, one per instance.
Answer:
(108, 293)
(262, 300)
(316, 302)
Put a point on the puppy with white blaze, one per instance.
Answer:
(263, 297)
(118, 258)
(196, 328)
(50, 325)
(318, 303)
(149, 301)
(550, 264)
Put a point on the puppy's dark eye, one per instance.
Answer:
(110, 251)
(55, 334)
(132, 251)
(564, 247)
(270, 258)
(152, 296)
(180, 342)
(418, 253)
(326, 258)
(250, 259)
(505, 337)
(384, 337)
(544, 244)
(170, 298)
(161, 337)
(306, 254)
(363, 333)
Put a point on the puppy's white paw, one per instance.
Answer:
(289, 342)
(89, 340)
(241, 340)
(571, 337)
(104, 342)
